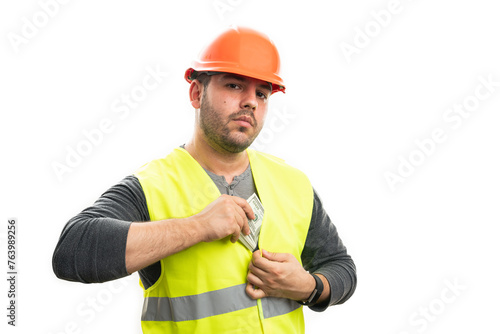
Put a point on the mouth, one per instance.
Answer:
(245, 121)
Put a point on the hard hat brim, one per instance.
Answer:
(275, 81)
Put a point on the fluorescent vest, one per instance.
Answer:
(202, 289)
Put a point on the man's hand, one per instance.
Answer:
(227, 215)
(278, 275)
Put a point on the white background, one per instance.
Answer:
(349, 119)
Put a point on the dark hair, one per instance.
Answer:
(204, 79)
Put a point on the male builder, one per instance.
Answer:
(177, 220)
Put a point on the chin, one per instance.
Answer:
(236, 147)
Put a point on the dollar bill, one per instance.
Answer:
(250, 241)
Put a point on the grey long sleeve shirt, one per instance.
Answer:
(92, 245)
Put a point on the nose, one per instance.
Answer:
(249, 99)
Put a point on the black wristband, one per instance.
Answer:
(316, 293)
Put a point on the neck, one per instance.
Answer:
(218, 162)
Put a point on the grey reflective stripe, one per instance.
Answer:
(211, 303)
(272, 307)
(197, 306)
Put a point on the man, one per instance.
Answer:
(178, 220)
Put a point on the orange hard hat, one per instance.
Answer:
(242, 51)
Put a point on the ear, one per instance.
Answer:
(195, 93)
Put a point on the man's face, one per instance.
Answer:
(233, 110)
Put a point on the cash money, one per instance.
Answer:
(250, 241)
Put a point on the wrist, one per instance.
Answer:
(194, 229)
(309, 287)
(316, 292)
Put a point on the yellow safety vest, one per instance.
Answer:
(202, 289)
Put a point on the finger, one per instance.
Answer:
(260, 262)
(254, 292)
(257, 253)
(242, 220)
(237, 229)
(275, 257)
(254, 279)
(246, 228)
(236, 234)
(256, 271)
(245, 206)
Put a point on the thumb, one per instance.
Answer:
(276, 257)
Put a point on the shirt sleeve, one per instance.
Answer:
(91, 248)
(324, 253)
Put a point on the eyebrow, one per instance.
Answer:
(242, 79)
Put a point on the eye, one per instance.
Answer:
(233, 86)
(262, 95)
